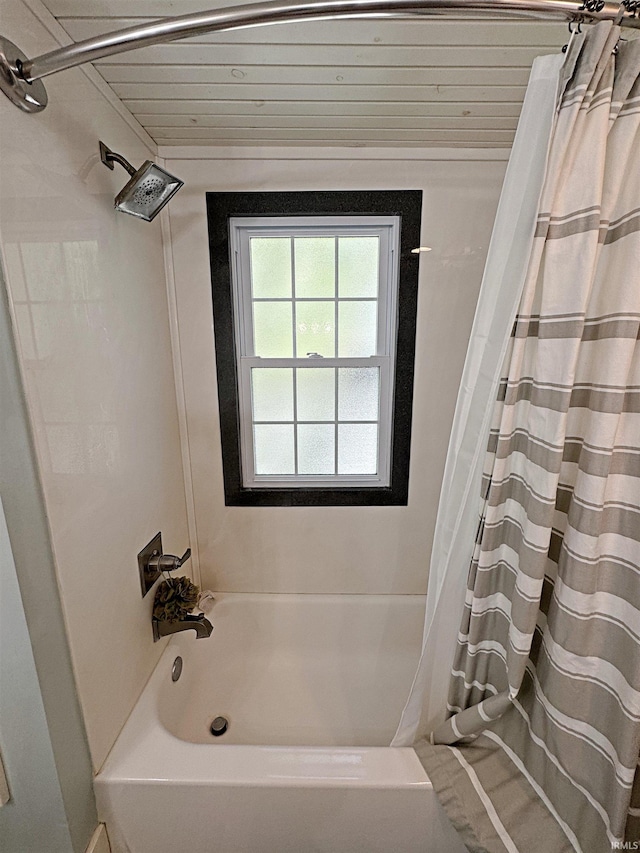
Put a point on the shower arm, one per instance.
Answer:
(110, 157)
(20, 76)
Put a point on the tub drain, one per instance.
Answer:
(219, 726)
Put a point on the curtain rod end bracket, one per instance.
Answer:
(29, 97)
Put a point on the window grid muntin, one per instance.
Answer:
(381, 236)
(336, 408)
(336, 421)
(294, 313)
(386, 228)
(336, 317)
(254, 480)
(294, 326)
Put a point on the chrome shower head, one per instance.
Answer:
(149, 189)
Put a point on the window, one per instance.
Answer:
(314, 315)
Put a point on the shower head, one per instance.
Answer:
(149, 189)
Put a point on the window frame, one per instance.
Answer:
(226, 209)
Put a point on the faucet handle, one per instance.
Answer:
(168, 562)
(184, 558)
(152, 562)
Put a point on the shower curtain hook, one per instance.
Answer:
(578, 29)
(618, 20)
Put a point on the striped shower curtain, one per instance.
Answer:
(541, 747)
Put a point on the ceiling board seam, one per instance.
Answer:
(517, 104)
(341, 66)
(331, 127)
(439, 21)
(126, 99)
(341, 128)
(251, 85)
(326, 120)
(201, 41)
(175, 152)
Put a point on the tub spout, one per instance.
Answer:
(199, 624)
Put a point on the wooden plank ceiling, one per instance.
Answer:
(437, 82)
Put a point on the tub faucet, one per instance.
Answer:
(199, 624)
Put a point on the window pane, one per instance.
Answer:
(273, 444)
(358, 394)
(357, 324)
(315, 266)
(316, 449)
(273, 329)
(316, 390)
(315, 328)
(270, 267)
(357, 449)
(358, 266)
(272, 390)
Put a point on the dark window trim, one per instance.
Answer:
(221, 206)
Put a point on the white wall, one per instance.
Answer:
(87, 292)
(333, 549)
(34, 817)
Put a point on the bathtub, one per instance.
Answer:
(312, 687)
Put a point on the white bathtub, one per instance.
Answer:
(313, 687)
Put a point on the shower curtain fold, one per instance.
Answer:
(460, 507)
(544, 698)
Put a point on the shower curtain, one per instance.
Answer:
(544, 699)
(459, 506)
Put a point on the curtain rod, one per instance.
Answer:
(20, 76)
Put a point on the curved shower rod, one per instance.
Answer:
(20, 77)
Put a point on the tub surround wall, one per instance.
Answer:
(87, 293)
(373, 550)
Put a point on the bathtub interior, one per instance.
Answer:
(292, 670)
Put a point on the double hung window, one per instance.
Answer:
(315, 308)
(313, 330)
